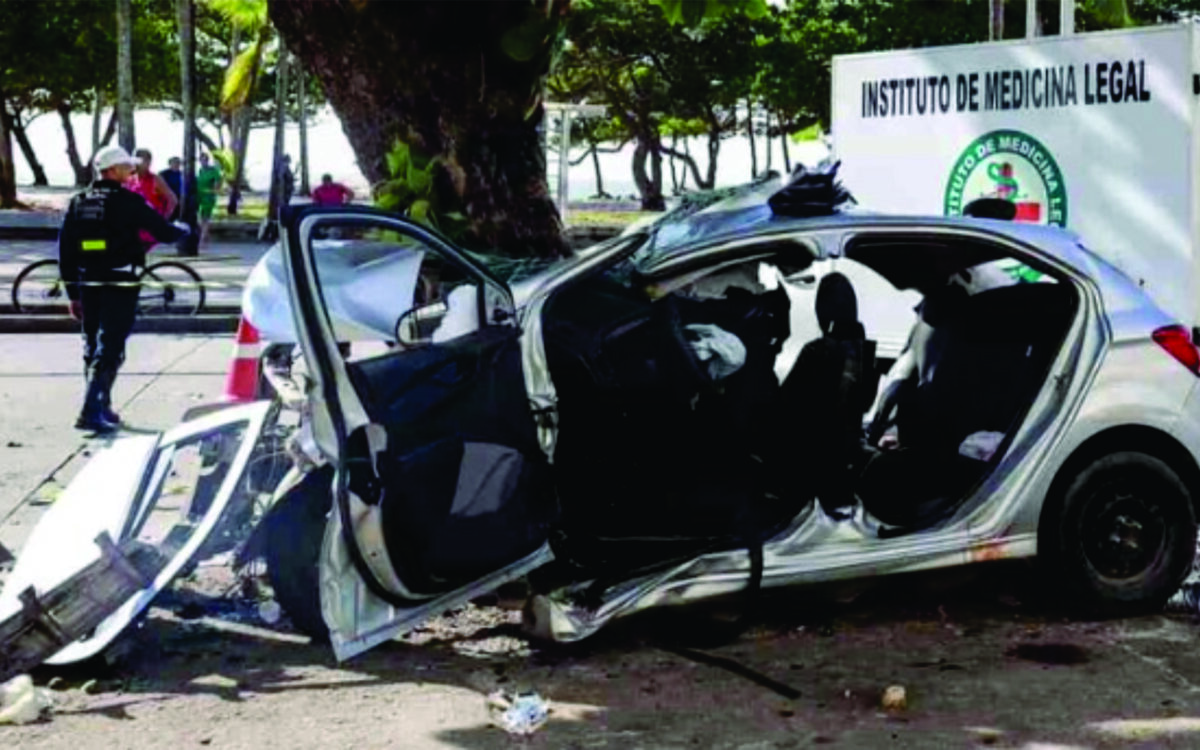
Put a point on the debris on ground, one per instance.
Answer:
(21, 702)
(895, 698)
(1186, 600)
(270, 612)
(47, 493)
(520, 713)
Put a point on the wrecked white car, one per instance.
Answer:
(759, 394)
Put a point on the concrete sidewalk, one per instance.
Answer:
(223, 268)
(41, 385)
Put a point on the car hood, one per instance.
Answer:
(117, 493)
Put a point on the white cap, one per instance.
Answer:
(111, 157)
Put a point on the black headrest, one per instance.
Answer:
(1018, 311)
(944, 305)
(991, 208)
(836, 304)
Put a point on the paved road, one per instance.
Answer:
(41, 384)
(983, 664)
(223, 267)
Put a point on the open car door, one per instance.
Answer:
(441, 491)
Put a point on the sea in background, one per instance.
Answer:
(330, 152)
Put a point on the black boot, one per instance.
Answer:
(107, 412)
(92, 416)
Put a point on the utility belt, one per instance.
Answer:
(98, 258)
(99, 272)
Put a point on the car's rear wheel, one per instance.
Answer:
(295, 528)
(1121, 536)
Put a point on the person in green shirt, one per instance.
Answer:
(208, 183)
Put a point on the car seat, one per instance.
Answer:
(980, 369)
(824, 398)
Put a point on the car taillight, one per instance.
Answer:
(1177, 340)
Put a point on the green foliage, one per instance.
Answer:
(227, 161)
(694, 12)
(1099, 15)
(250, 15)
(410, 189)
(242, 78)
(807, 135)
(62, 52)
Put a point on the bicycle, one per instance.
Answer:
(168, 287)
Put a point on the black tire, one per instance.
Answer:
(295, 528)
(38, 288)
(171, 288)
(1121, 536)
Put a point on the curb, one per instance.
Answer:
(207, 324)
(238, 232)
(210, 311)
(578, 236)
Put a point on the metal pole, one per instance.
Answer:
(564, 157)
(1066, 17)
(1030, 19)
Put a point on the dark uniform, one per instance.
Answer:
(100, 258)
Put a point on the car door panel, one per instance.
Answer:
(465, 484)
(440, 482)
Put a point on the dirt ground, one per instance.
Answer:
(983, 665)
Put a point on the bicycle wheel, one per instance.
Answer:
(39, 289)
(171, 288)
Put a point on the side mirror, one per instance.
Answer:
(415, 328)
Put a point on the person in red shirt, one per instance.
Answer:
(154, 189)
(330, 193)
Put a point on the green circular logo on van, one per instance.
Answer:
(1012, 166)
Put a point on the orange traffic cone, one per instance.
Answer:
(242, 382)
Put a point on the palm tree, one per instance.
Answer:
(186, 14)
(125, 74)
(8, 178)
(249, 18)
(277, 198)
(303, 101)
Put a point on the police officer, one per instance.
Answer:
(100, 258)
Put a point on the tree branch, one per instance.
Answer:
(690, 161)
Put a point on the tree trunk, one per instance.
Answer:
(8, 171)
(207, 141)
(649, 185)
(125, 74)
(302, 80)
(690, 162)
(110, 131)
(17, 128)
(753, 144)
(767, 138)
(437, 76)
(674, 176)
(97, 120)
(996, 20)
(241, 136)
(656, 176)
(787, 157)
(714, 150)
(687, 149)
(275, 201)
(185, 11)
(83, 173)
(599, 177)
